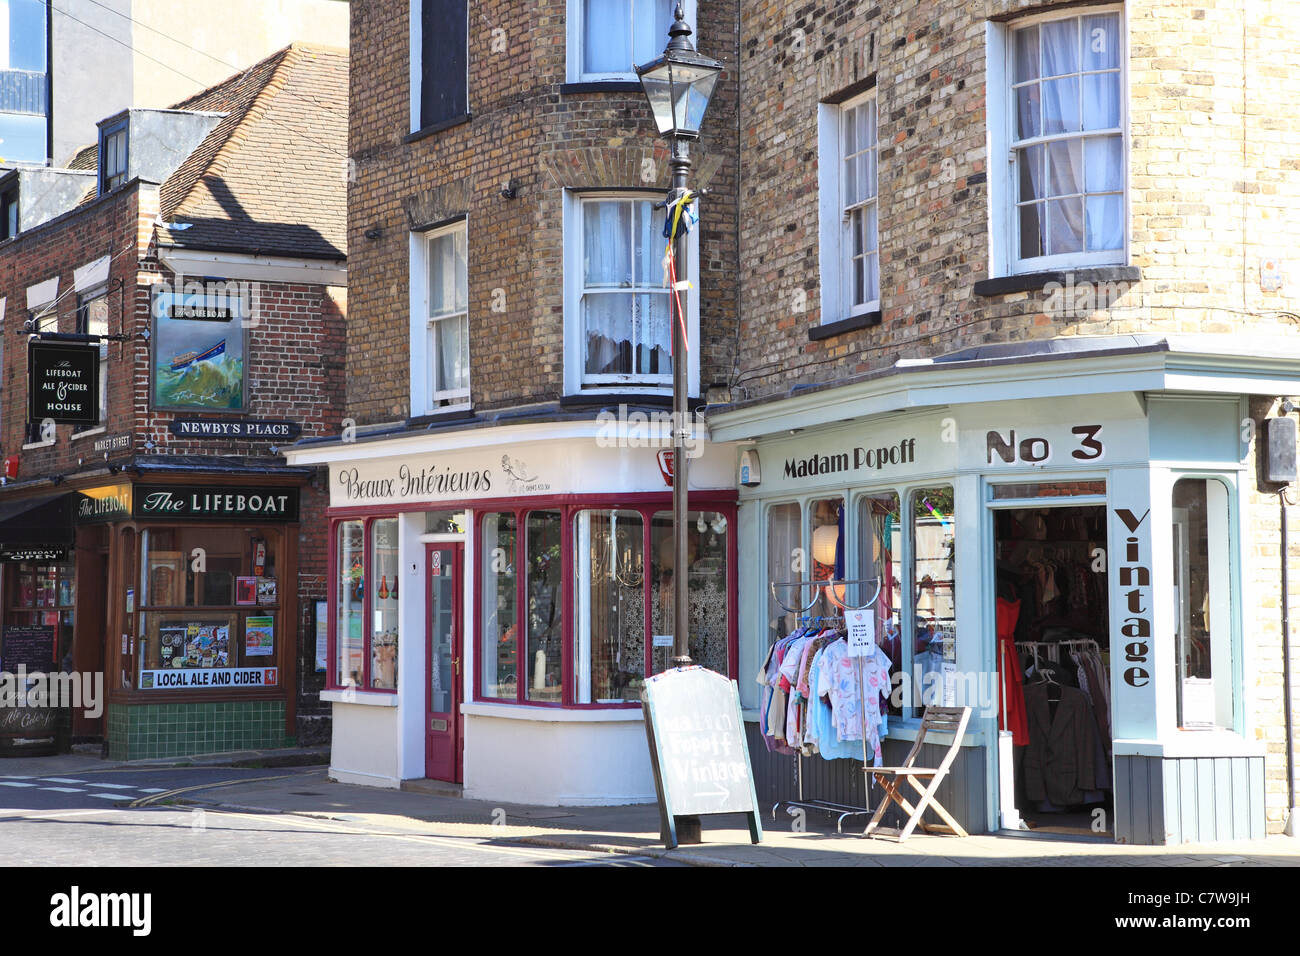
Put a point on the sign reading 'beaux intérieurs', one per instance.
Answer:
(63, 383)
(211, 503)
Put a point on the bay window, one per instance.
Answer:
(1063, 127)
(596, 644)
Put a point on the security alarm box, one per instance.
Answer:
(1281, 463)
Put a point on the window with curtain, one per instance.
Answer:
(848, 229)
(92, 319)
(618, 34)
(858, 226)
(448, 317)
(1067, 139)
(623, 303)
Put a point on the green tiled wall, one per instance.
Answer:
(138, 731)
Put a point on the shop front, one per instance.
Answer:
(498, 598)
(1058, 544)
(178, 594)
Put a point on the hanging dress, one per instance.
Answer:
(1011, 716)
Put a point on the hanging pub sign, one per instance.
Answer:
(63, 383)
(249, 429)
(211, 502)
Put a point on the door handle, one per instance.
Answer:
(455, 665)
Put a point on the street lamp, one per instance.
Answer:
(678, 86)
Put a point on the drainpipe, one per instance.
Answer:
(1293, 814)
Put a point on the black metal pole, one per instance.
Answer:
(689, 830)
(680, 164)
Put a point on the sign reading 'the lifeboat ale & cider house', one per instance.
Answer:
(63, 383)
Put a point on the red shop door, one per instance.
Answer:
(444, 742)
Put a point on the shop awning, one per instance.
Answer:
(36, 522)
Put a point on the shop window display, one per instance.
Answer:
(43, 595)
(197, 611)
(621, 564)
(933, 656)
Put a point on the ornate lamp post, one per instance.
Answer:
(679, 85)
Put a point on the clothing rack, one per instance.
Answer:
(843, 810)
(1053, 647)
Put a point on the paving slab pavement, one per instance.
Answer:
(635, 830)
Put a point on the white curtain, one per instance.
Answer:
(620, 33)
(625, 332)
(1069, 99)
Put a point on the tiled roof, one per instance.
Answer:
(270, 177)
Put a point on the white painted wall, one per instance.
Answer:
(568, 762)
(364, 745)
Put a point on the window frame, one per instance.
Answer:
(575, 21)
(424, 400)
(84, 299)
(834, 258)
(576, 380)
(332, 681)
(1004, 228)
(416, 63)
(110, 181)
(569, 511)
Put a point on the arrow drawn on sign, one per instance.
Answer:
(720, 792)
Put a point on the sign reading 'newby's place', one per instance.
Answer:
(249, 429)
(63, 383)
(208, 503)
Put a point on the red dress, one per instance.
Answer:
(1011, 716)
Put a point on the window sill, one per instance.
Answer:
(1191, 743)
(38, 444)
(593, 397)
(601, 86)
(432, 128)
(98, 430)
(612, 714)
(832, 329)
(368, 698)
(442, 416)
(1037, 281)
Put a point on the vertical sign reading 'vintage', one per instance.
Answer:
(63, 383)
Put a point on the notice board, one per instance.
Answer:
(697, 748)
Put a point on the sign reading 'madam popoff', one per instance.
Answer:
(208, 503)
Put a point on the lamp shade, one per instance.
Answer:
(825, 541)
(679, 84)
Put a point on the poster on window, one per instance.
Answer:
(195, 644)
(259, 636)
(198, 348)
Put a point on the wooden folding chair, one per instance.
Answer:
(944, 720)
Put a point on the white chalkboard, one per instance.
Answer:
(697, 747)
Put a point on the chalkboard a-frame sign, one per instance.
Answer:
(697, 748)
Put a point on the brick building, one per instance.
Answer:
(973, 283)
(197, 267)
(1045, 245)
